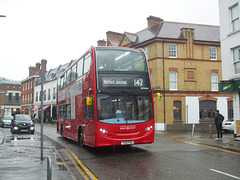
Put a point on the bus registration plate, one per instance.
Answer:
(127, 142)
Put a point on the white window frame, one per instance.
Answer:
(213, 53)
(172, 50)
(236, 60)
(235, 20)
(214, 81)
(173, 83)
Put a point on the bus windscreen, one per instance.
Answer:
(124, 109)
(120, 60)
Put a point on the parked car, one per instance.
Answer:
(6, 121)
(22, 123)
(228, 125)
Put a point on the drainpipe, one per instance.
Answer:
(164, 99)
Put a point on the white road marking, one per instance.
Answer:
(226, 174)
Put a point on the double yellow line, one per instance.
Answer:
(82, 169)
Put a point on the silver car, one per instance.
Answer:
(6, 121)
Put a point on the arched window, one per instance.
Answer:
(207, 109)
(177, 111)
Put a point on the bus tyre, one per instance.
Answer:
(62, 132)
(80, 137)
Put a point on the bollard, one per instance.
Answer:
(49, 168)
(210, 130)
(193, 127)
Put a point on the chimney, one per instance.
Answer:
(114, 36)
(188, 33)
(32, 70)
(102, 43)
(38, 66)
(152, 20)
(44, 64)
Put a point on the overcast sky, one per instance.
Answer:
(62, 30)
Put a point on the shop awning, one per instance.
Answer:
(36, 108)
(44, 107)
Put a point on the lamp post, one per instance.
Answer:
(4, 104)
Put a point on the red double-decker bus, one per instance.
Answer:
(105, 98)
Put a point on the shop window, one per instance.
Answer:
(207, 110)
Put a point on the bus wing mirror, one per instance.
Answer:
(159, 96)
(90, 91)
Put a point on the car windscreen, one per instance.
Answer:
(7, 117)
(22, 118)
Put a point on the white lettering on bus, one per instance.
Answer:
(127, 127)
(115, 82)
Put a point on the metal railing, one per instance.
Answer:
(49, 168)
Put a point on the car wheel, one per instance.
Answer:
(12, 131)
(226, 131)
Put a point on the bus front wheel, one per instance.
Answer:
(62, 132)
(80, 137)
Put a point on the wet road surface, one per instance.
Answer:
(166, 158)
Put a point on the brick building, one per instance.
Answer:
(185, 65)
(27, 94)
(10, 93)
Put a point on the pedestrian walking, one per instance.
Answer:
(218, 122)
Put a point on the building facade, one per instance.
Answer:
(185, 65)
(49, 94)
(27, 94)
(230, 48)
(10, 97)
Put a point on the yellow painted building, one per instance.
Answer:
(185, 65)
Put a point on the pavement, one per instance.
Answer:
(20, 158)
(25, 161)
(228, 142)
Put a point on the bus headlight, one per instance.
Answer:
(149, 128)
(103, 131)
